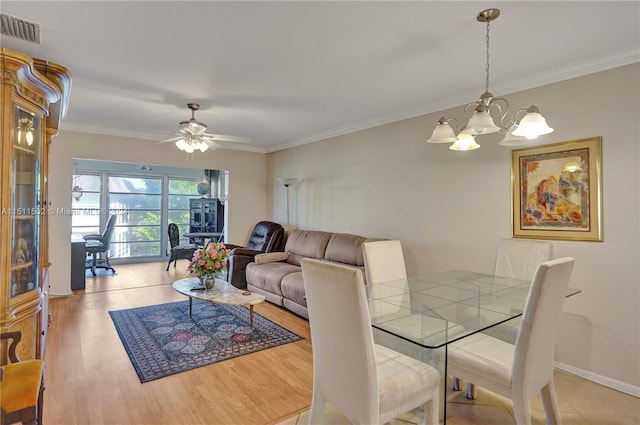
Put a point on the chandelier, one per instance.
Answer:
(489, 114)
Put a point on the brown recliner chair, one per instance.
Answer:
(266, 236)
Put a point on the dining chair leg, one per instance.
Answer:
(455, 383)
(471, 391)
(521, 412)
(316, 413)
(431, 409)
(550, 404)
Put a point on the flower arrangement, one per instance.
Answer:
(209, 261)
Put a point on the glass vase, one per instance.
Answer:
(209, 282)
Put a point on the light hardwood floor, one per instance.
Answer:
(90, 379)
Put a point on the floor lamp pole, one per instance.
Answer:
(287, 186)
(287, 182)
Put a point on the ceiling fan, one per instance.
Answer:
(191, 135)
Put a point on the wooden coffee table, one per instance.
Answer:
(222, 293)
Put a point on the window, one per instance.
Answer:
(145, 202)
(179, 193)
(138, 231)
(85, 210)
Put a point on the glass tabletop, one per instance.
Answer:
(437, 309)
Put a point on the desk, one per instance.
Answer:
(78, 262)
(424, 314)
(201, 236)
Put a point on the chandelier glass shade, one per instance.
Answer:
(532, 125)
(443, 133)
(510, 140)
(464, 142)
(488, 114)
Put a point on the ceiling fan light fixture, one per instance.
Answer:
(490, 113)
(191, 137)
(181, 144)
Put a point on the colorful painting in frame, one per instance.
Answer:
(557, 191)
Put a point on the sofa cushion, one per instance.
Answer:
(293, 288)
(346, 249)
(270, 257)
(268, 296)
(306, 243)
(268, 276)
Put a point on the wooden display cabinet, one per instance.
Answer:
(205, 215)
(34, 96)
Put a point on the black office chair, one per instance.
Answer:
(99, 244)
(178, 252)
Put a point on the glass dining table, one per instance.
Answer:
(203, 238)
(420, 316)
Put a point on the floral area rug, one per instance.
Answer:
(162, 339)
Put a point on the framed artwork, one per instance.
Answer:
(557, 191)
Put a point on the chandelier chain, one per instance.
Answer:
(486, 83)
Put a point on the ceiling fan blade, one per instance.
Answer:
(226, 138)
(212, 145)
(173, 139)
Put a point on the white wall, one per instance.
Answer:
(247, 191)
(450, 208)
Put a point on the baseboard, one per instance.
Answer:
(599, 379)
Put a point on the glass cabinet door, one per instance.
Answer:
(25, 195)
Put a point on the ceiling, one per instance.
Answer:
(288, 73)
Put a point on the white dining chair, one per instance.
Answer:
(520, 371)
(383, 261)
(518, 259)
(368, 383)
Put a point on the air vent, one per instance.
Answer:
(19, 28)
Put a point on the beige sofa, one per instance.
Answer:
(278, 275)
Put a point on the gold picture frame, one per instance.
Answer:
(557, 191)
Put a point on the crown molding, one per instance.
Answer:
(616, 59)
(576, 70)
